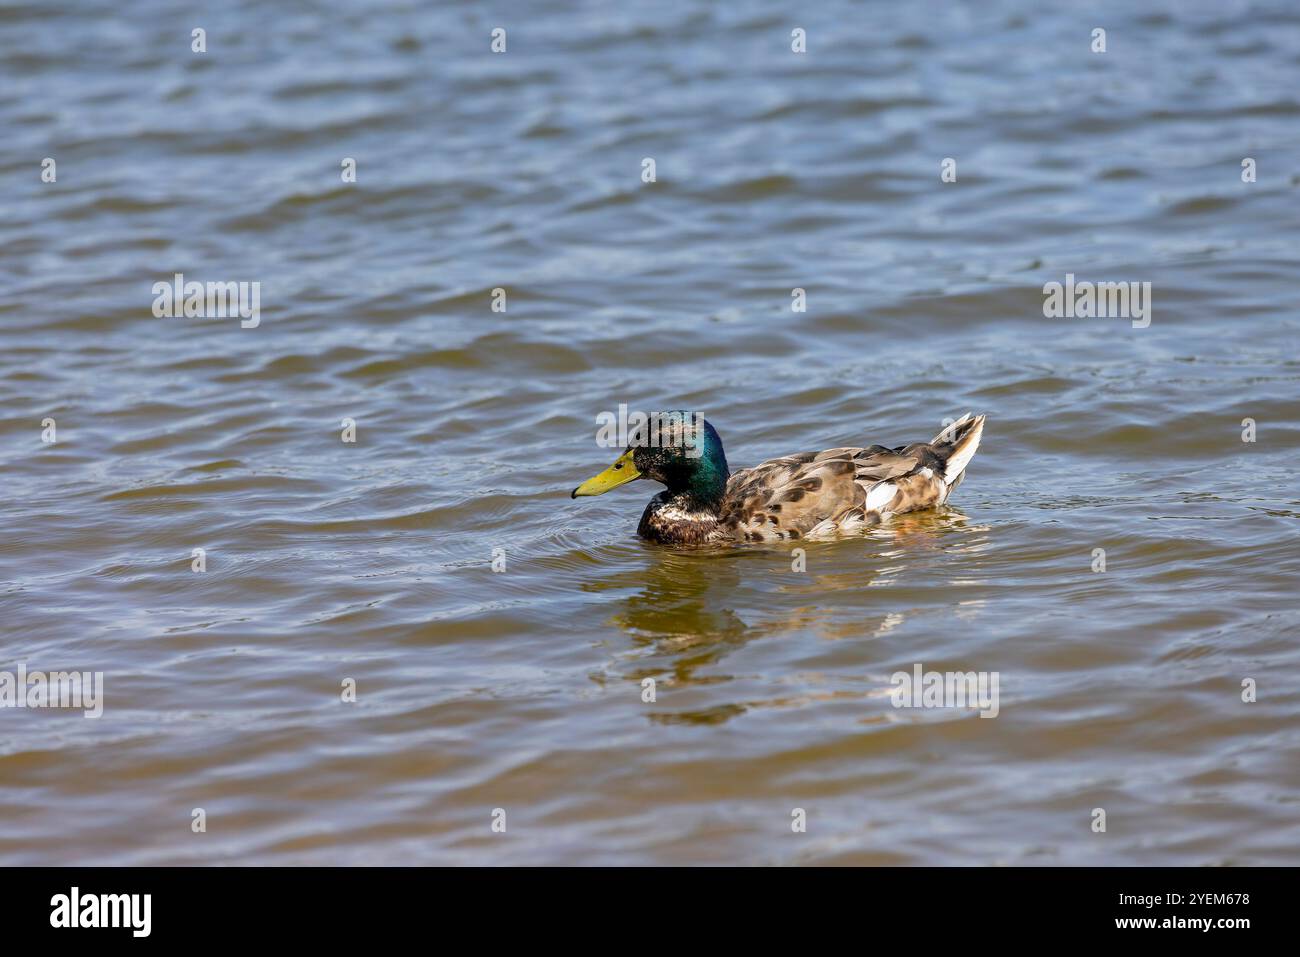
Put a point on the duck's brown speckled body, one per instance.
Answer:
(798, 496)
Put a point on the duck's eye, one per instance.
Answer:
(618, 466)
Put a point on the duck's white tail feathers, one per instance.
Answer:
(956, 446)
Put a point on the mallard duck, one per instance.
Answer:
(799, 496)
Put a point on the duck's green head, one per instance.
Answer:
(679, 449)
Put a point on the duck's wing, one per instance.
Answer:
(816, 493)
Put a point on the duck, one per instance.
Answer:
(809, 495)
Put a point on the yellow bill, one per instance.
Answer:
(620, 473)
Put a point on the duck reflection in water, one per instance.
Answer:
(696, 607)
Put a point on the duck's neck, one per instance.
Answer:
(679, 518)
(688, 510)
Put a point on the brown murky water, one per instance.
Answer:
(522, 689)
